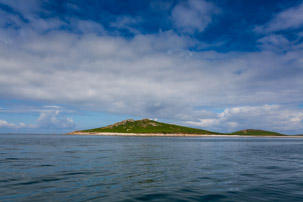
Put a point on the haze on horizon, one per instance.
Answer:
(217, 65)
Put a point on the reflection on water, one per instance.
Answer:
(58, 167)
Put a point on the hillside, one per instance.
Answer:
(252, 132)
(148, 126)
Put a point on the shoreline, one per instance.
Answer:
(166, 135)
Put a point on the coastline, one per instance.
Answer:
(165, 135)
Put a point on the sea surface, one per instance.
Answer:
(111, 168)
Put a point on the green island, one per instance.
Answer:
(147, 127)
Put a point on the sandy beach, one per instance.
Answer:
(164, 135)
(148, 134)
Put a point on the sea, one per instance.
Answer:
(52, 167)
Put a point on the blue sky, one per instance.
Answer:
(221, 65)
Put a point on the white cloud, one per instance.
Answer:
(291, 18)
(48, 119)
(26, 8)
(126, 22)
(86, 26)
(274, 42)
(5, 124)
(267, 117)
(151, 75)
(192, 15)
(52, 107)
(31, 109)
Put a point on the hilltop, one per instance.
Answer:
(151, 127)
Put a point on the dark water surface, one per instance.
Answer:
(105, 168)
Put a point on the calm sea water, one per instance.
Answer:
(106, 168)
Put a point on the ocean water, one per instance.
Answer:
(111, 168)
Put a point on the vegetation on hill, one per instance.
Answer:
(252, 132)
(148, 126)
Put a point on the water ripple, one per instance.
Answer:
(71, 168)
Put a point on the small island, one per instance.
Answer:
(147, 127)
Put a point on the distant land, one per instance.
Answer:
(147, 127)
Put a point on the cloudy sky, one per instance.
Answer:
(221, 65)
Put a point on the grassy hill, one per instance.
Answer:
(148, 126)
(252, 132)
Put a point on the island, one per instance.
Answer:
(148, 127)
